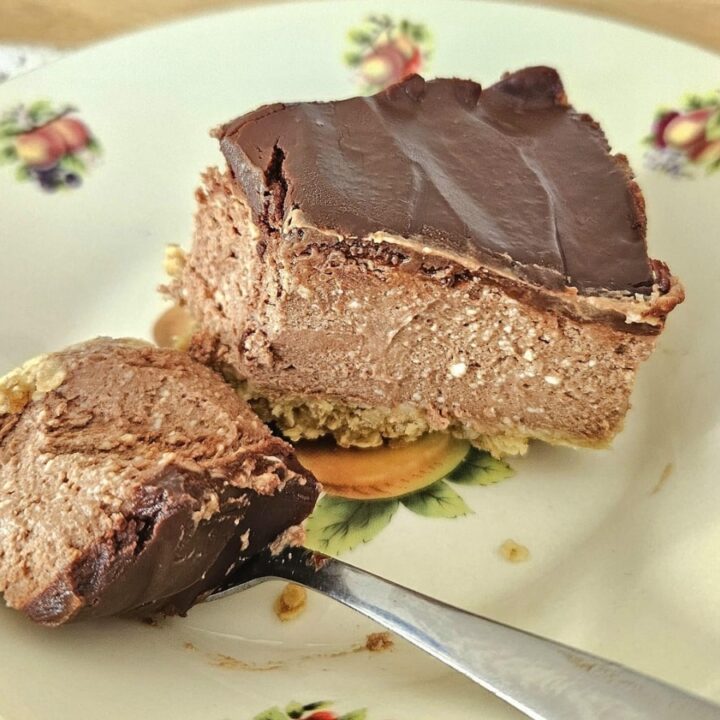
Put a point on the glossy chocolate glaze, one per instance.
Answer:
(510, 177)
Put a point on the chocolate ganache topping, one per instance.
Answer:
(511, 177)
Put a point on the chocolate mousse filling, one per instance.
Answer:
(434, 257)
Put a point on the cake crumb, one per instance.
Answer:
(552, 379)
(294, 536)
(664, 477)
(174, 261)
(189, 646)
(291, 602)
(244, 540)
(379, 642)
(514, 552)
(228, 662)
(457, 370)
(153, 621)
(36, 377)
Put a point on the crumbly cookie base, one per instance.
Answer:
(309, 418)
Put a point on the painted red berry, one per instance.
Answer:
(708, 154)
(684, 130)
(414, 64)
(383, 66)
(39, 148)
(322, 715)
(659, 128)
(696, 148)
(73, 132)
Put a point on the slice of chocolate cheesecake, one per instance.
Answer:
(133, 480)
(434, 257)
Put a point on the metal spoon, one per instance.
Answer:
(543, 679)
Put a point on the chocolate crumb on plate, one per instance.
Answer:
(514, 552)
(291, 602)
(379, 642)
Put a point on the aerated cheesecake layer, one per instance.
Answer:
(358, 341)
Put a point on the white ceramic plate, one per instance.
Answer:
(624, 544)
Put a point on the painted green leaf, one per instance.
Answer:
(712, 129)
(72, 163)
(94, 146)
(353, 58)
(419, 34)
(480, 468)
(294, 710)
(9, 128)
(272, 714)
(7, 154)
(383, 22)
(22, 173)
(694, 101)
(316, 705)
(297, 710)
(39, 107)
(354, 715)
(338, 524)
(438, 500)
(360, 37)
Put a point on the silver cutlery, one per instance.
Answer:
(545, 680)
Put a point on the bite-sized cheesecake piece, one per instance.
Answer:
(133, 479)
(433, 257)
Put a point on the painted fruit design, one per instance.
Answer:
(310, 711)
(686, 138)
(365, 488)
(50, 146)
(384, 51)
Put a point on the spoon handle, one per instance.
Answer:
(543, 679)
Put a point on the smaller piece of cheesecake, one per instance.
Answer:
(133, 480)
(438, 256)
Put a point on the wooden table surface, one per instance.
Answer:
(71, 23)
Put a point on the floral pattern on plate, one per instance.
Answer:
(686, 138)
(384, 50)
(48, 145)
(364, 488)
(310, 711)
